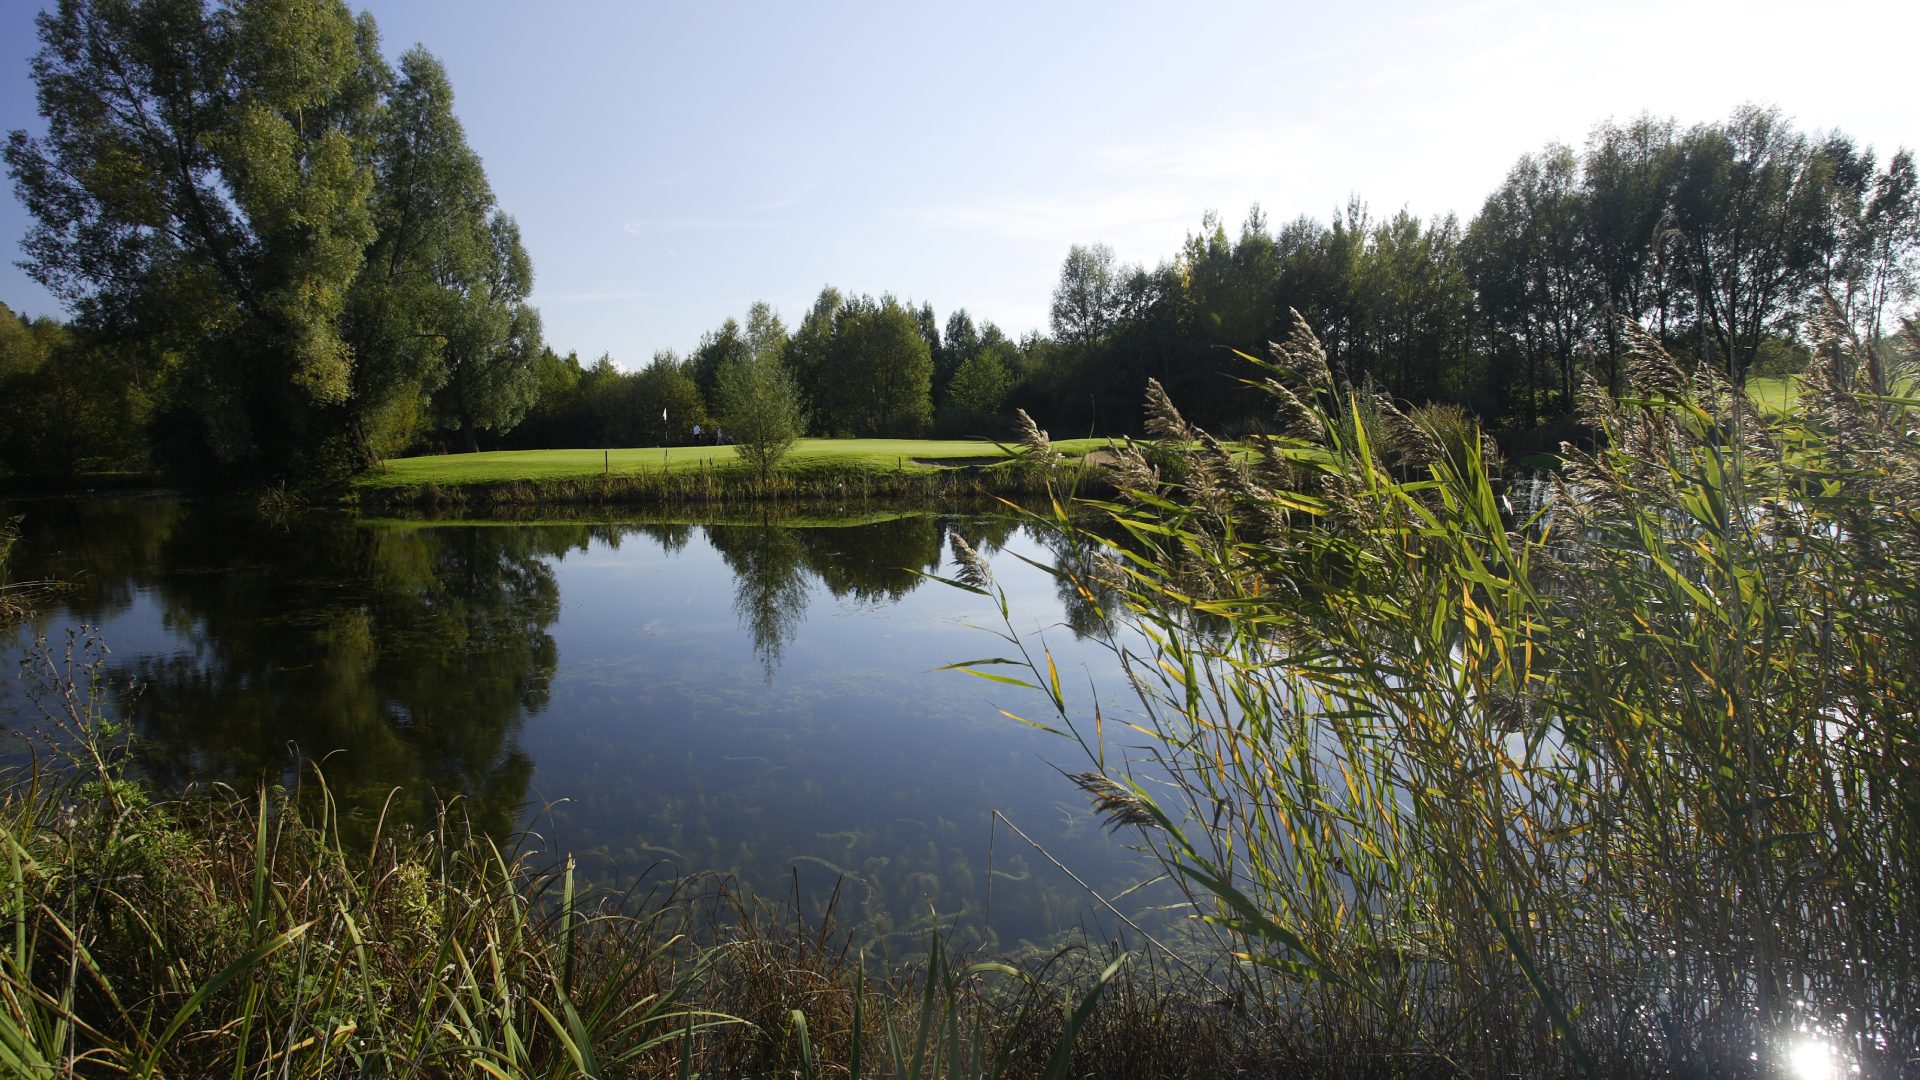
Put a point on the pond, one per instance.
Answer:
(656, 697)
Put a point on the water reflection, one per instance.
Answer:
(1085, 588)
(878, 563)
(769, 589)
(408, 658)
(736, 695)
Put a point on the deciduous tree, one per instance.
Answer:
(757, 401)
(1085, 300)
(494, 341)
(202, 187)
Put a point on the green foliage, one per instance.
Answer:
(439, 317)
(429, 193)
(756, 398)
(67, 404)
(810, 358)
(202, 188)
(980, 385)
(1086, 301)
(1469, 784)
(295, 243)
(667, 387)
(1719, 238)
(960, 344)
(718, 348)
(605, 400)
(863, 367)
(551, 419)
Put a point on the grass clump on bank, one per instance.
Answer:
(1627, 788)
(15, 596)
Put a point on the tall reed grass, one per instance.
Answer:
(1630, 787)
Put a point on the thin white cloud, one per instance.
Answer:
(598, 295)
(1079, 216)
(647, 227)
(778, 203)
(771, 212)
(1142, 196)
(1214, 157)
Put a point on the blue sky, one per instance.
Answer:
(670, 164)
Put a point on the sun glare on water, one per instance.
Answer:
(1811, 1059)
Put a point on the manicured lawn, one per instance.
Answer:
(808, 455)
(1773, 392)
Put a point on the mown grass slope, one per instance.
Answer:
(1773, 392)
(809, 456)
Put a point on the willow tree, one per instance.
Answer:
(293, 233)
(203, 186)
(493, 341)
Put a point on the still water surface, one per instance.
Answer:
(653, 696)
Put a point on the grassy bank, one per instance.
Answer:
(823, 470)
(1775, 393)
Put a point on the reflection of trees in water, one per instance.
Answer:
(420, 652)
(1088, 600)
(769, 591)
(873, 563)
(671, 536)
(404, 657)
(988, 535)
(877, 562)
(408, 656)
(99, 550)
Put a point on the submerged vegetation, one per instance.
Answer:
(1621, 784)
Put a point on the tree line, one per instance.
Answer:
(856, 366)
(284, 262)
(1721, 239)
